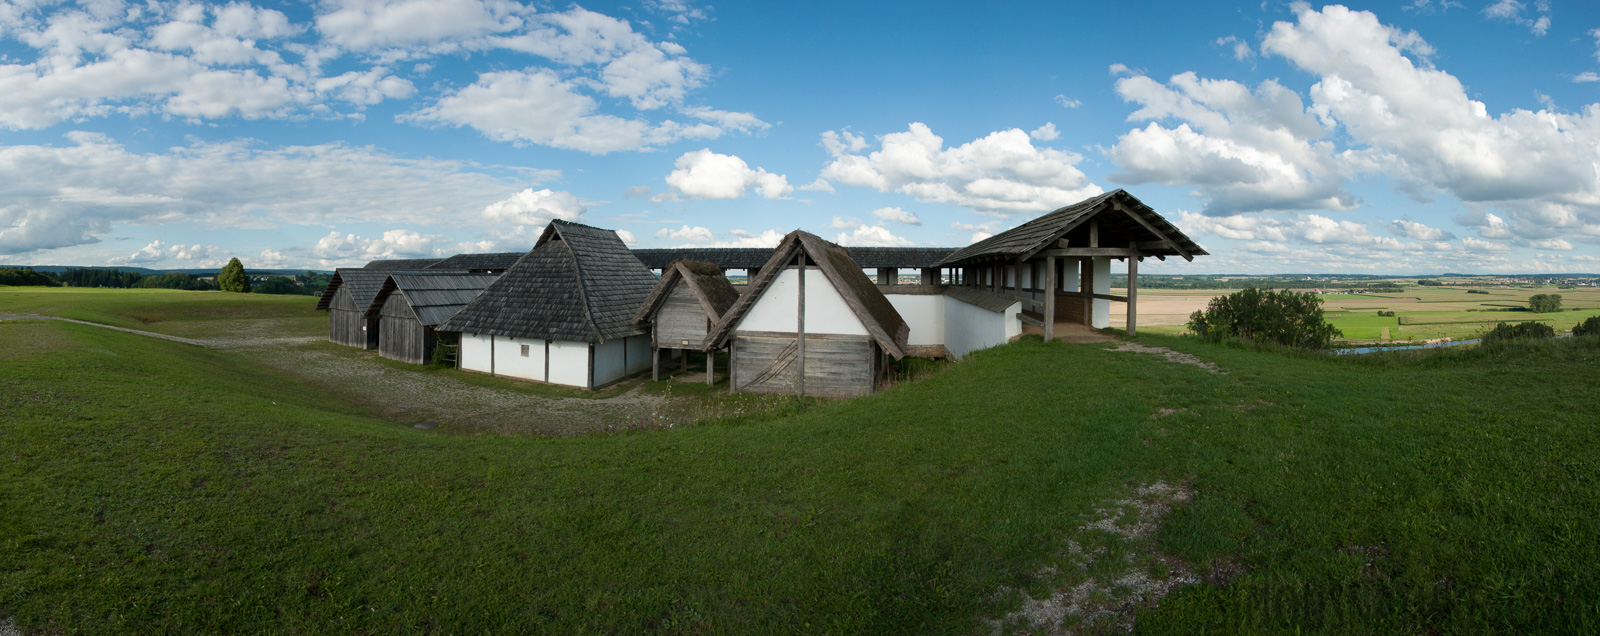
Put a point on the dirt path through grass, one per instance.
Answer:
(96, 324)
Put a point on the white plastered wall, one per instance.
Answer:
(969, 328)
(1070, 276)
(924, 315)
(778, 307)
(609, 361)
(569, 363)
(474, 352)
(1101, 316)
(508, 359)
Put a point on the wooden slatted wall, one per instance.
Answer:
(836, 366)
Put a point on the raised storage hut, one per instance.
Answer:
(562, 314)
(811, 323)
(410, 305)
(690, 297)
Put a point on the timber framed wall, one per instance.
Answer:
(401, 335)
(348, 324)
(836, 366)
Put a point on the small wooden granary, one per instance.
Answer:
(690, 297)
(346, 300)
(811, 323)
(410, 305)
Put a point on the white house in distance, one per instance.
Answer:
(563, 314)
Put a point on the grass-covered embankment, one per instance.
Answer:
(151, 486)
(189, 314)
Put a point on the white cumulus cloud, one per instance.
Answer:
(702, 174)
(1002, 173)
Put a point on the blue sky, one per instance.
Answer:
(1374, 137)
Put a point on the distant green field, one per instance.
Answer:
(196, 314)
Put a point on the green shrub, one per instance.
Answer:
(1544, 303)
(232, 277)
(1589, 327)
(1504, 331)
(1386, 314)
(1282, 318)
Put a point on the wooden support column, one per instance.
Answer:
(711, 367)
(994, 278)
(655, 364)
(1133, 295)
(930, 276)
(800, 330)
(1086, 285)
(1050, 286)
(683, 359)
(491, 355)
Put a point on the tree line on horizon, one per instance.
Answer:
(231, 278)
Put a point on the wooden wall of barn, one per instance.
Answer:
(680, 322)
(348, 324)
(836, 366)
(401, 336)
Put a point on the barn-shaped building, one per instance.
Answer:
(347, 298)
(690, 297)
(811, 323)
(562, 314)
(410, 305)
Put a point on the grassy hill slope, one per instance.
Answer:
(152, 486)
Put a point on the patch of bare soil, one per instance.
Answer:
(1170, 355)
(1137, 578)
(8, 627)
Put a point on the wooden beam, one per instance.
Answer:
(1133, 296)
(1050, 286)
(1120, 299)
(655, 364)
(1115, 252)
(711, 367)
(1030, 320)
(1164, 238)
(800, 339)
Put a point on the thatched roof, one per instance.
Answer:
(433, 295)
(752, 257)
(579, 283)
(1116, 212)
(402, 264)
(869, 305)
(495, 262)
(363, 285)
(705, 281)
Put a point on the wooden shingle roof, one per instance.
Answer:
(363, 285)
(1123, 215)
(705, 282)
(495, 262)
(434, 296)
(579, 283)
(402, 264)
(753, 257)
(883, 323)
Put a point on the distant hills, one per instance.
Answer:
(56, 269)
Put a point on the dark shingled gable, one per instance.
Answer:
(871, 307)
(495, 262)
(402, 264)
(1029, 238)
(706, 282)
(579, 283)
(433, 295)
(363, 284)
(749, 257)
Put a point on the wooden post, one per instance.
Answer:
(711, 367)
(1086, 287)
(800, 331)
(491, 354)
(1133, 295)
(1049, 298)
(655, 364)
(994, 278)
(683, 360)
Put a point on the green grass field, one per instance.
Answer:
(149, 486)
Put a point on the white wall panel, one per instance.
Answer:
(778, 307)
(569, 363)
(509, 361)
(969, 328)
(924, 314)
(474, 352)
